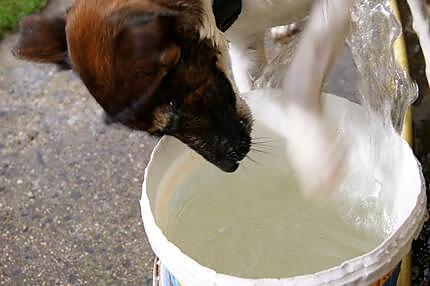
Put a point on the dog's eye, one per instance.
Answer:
(173, 106)
(173, 125)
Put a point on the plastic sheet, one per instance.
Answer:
(384, 86)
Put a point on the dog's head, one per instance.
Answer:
(148, 68)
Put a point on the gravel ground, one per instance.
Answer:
(69, 185)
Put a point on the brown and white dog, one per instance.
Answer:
(162, 66)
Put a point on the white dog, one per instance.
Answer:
(316, 153)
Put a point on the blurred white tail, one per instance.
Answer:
(316, 153)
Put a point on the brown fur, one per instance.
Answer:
(145, 64)
(50, 45)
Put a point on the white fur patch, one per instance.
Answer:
(209, 30)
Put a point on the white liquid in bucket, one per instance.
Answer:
(256, 224)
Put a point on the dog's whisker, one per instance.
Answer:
(266, 140)
(261, 150)
(262, 153)
(256, 162)
(265, 147)
(263, 137)
(264, 143)
(245, 169)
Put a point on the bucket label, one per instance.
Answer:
(390, 279)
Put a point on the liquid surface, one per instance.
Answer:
(256, 224)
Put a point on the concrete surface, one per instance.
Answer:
(69, 185)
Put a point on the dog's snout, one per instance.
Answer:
(244, 148)
(233, 151)
(228, 166)
(237, 151)
(238, 144)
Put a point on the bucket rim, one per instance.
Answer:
(360, 270)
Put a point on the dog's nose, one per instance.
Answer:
(238, 151)
(228, 166)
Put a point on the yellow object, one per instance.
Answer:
(407, 134)
(384, 279)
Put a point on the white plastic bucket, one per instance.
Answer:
(179, 269)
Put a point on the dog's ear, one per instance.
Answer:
(42, 40)
(145, 51)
